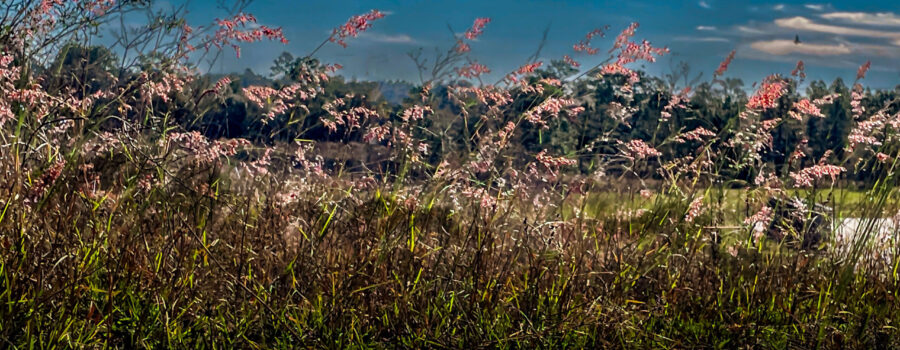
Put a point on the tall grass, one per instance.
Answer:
(122, 226)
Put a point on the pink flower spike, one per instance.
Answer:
(354, 26)
(477, 28)
(861, 73)
(767, 95)
(724, 65)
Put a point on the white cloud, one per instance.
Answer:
(713, 39)
(704, 4)
(867, 18)
(706, 28)
(815, 7)
(779, 7)
(749, 30)
(803, 23)
(879, 50)
(388, 38)
(786, 47)
(872, 50)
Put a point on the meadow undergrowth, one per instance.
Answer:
(125, 223)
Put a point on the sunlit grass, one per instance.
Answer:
(468, 216)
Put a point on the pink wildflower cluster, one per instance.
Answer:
(769, 124)
(38, 20)
(694, 209)
(489, 95)
(585, 44)
(615, 69)
(202, 150)
(798, 152)
(354, 26)
(30, 96)
(621, 113)
(242, 28)
(629, 52)
(856, 97)
(725, 63)
(572, 62)
(538, 86)
(471, 34)
(485, 199)
(47, 178)
(805, 177)
(477, 28)
(624, 37)
(377, 133)
(694, 135)
(799, 71)
(763, 216)
(472, 70)
(677, 101)
(506, 132)
(864, 132)
(100, 7)
(525, 69)
(415, 113)
(805, 107)
(767, 95)
(312, 164)
(827, 99)
(260, 166)
(221, 85)
(551, 107)
(553, 162)
(351, 118)
(80, 105)
(7, 77)
(275, 102)
(33, 97)
(165, 86)
(633, 52)
(461, 47)
(50, 9)
(638, 149)
(42, 18)
(861, 72)
(528, 68)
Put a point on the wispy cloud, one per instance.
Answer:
(779, 7)
(815, 7)
(714, 39)
(388, 38)
(704, 4)
(709, 28)
(786, 47)
(874, 50)
(888, 19)
(803, 23)
(749, 30)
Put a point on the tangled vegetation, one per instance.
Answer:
(146, 205)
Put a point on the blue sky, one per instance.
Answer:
(836, 36)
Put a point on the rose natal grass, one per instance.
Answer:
(574, 201)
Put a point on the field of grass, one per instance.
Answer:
(153, 206)
(734, 202)
(376, 273)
